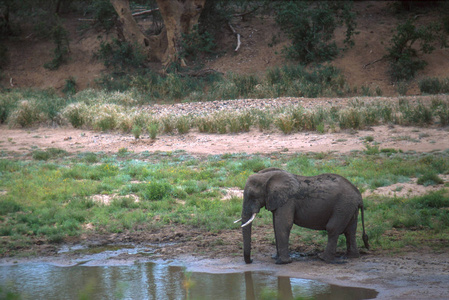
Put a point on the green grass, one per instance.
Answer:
(51, 199)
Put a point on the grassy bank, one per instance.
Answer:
(118, 105)
(53, 195)
(121, 111)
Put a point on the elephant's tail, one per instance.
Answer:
(364, 235)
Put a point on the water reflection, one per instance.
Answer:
(160, 281)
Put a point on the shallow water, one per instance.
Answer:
(159, 281)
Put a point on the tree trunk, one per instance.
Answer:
(129, 29)
(179, 18)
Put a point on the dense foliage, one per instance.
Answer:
(402, 53)
(310, 25)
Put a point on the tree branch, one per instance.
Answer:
(145, 12)
(373, 62)
(237, 35)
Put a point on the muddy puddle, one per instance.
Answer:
(100, 274)
(161, 281)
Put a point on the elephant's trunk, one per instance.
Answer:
(246, 231)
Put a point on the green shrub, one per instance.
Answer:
(60, 37)
(70, 86)
(286, 122)
(439, 199)
(103, 13)
(196, 42)
(443, 113)
(415, 115)
(49, 153)
(25, 114)
(7, 105)
(351, 118)
(9, 206)
(263, 119)
(156, 191)
(434, 85)
(183, 124)
(137, 131)
(311, 27)
(153, 129)
(41, 155)
(430, 178)
(121, 56)
(76, 113)
(90, 157)
(429, 85)
(244, 84)
(402, 56)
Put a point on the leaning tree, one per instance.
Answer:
(179, 18)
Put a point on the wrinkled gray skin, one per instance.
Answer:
(324, 202)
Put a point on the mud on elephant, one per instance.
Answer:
(324, 202)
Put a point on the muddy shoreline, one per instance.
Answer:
(410, 275)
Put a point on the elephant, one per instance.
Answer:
(324, 202)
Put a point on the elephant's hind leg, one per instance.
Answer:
(351, 243)
(337, 225)
(329, 253)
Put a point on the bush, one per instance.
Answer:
(197, 42)
(443, 113)
(26, 114)
(103, 13)
(121, 56)
(412, 115)
(156, 191)
(153, 129)
(61, 39)
(70, 86)
(403, 56)
(434, 85)
(311, 28)
(76, 114)
(7, 105)
(9, 206)
(430, 179)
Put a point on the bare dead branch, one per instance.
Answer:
(201, 73)
(145, 12)
(237, 35)
(373, 62)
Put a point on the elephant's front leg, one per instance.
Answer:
(282, 225)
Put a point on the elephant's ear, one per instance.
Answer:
(281, 187)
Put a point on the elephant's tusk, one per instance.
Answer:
(237, 220)
(250, 220)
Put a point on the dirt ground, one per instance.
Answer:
(411, 274)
